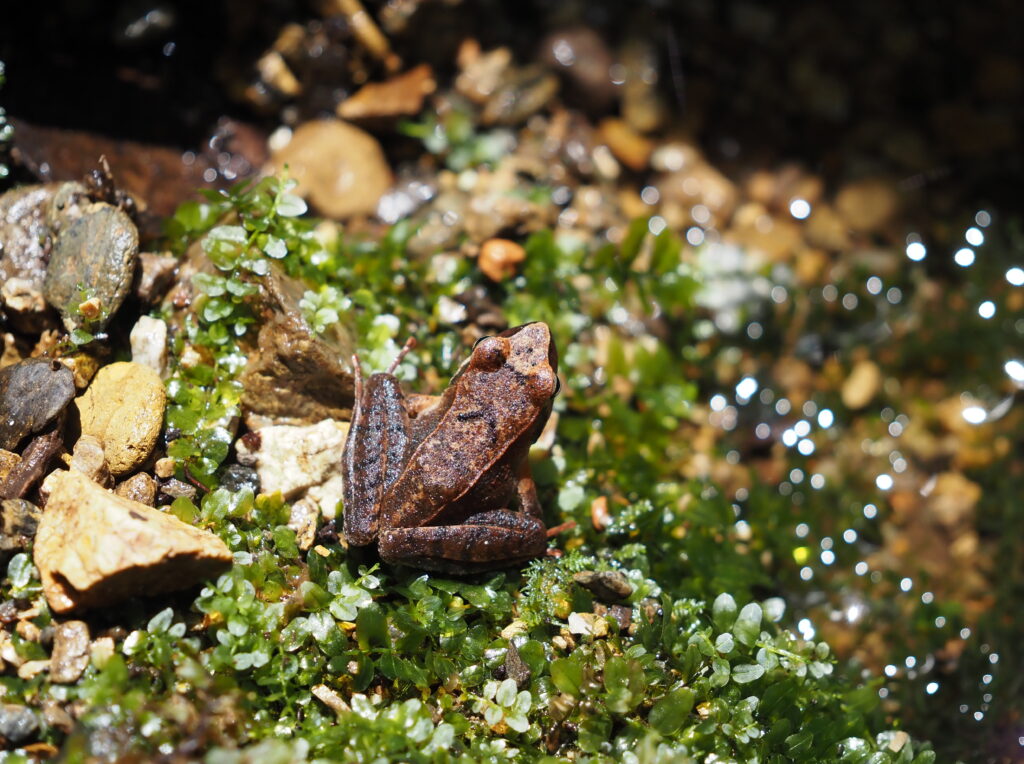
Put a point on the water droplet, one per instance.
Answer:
(974, 237)
(931, 688)
(884, 482)
(799, 208)
(874, 285)
(916, 251)
(974, 414)
(1015, 276)
(987, 309)
(826, 417)
(746, 388)
(964, 257)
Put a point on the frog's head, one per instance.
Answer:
(528, 351)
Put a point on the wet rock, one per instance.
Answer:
(97, 253)
(521, 94)
(515, 667)
(862, 385)
(481, 73)
(628, 146)
(124, 409)
(339, 168)
(8, 461)
(588, 623)
(606, 585)
(83, 365)
(176, 489)
(693, 181)
(55, 716)
(295, 376)
(87, 457)
(500, 258)
(18, 724)
(580, 54)
(867, 205)
(94, 548)
(154, 276)
(32, 394)
(304, 517)
(397, 97)
(149, 343)
(70, 654)
(298, 461)
(238, 477)
(826, 229)
(140, 487)
(18, 522)
(23, 252)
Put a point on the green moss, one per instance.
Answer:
(521, 665)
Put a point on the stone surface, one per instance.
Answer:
(629, 147)
(87, 457)
(500, 258)
(70, 654)
(303, 520)
(8, 461)
(339, 168)
(18, 521)
(238, 477)
(95, 253)
(293, 459)
(94, 548)
(140, 487)
(154, 276)
(606, 585)
(400, 96)
(295, 376)
(18, 724)
(149, 344)
(861, 386)
(32, 394)
(867, 205)
(23, 240)
(124, 409)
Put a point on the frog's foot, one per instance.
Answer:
(489, 540)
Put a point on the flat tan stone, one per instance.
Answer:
(70, 652)
(339, 168)
(861, 386)
(94, 548)
(124, 409)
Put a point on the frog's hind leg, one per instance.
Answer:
(496, 539)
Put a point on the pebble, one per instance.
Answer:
(96, 252)
(18, 724)
(499, 258)
(70, 654)
(304, 517)
(32, 393)
(588, 623)
(154, 276)
(238, 477)
(149, 344)
(140, 487)
(18, 522)
(606, 585)
(861, 386)
(630, 147)
(292, 459)
(867, 205)
(87, 457)
(124, 409)
(23, 241)
(339, 168)
(94, 548)
(400, 96)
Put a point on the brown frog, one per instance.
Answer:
(448, 488)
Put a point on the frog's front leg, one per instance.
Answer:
(499, 538)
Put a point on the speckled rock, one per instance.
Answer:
(32, 394)
(149, 343)
(18, 724)
(96, 252)
(18, 522)
(140, 487)
(94, 548)
(70, 654)
(339, 168)
(124, 409)
(23, 237)
(298, 461)
(88, 458)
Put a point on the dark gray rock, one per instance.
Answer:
(18, 724)
(19, 520)
(32, 393)
(606, 585)
(96, 253)
(237, 477)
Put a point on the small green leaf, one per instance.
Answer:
(723, 611)
(290, 206)
(275, 247)
(748, 625)
(725, 643)
(567, 676)
(747, 672)
(669, 713)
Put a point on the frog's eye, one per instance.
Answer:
(486, 336)
(489, 354)
(558, 386)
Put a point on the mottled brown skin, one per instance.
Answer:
(450, 489)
